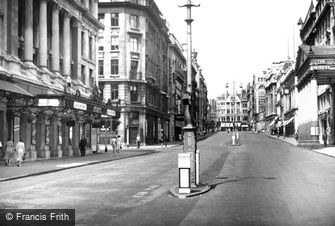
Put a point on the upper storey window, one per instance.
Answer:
(134, 21)
(101, 17)
(114, 19)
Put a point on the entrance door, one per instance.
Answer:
(132, 135)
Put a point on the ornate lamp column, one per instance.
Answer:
(189, 129)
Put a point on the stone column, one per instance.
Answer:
(76, 139)
(40, 136)
(43, 54)
(28, 32)
(76, 50)
(313, 107)
(53, 137)
(55, 38)
(65, 140)
(67, 47)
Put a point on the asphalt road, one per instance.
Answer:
(261, 182)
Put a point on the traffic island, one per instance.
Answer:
(195, 191)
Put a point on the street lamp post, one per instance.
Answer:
(189, 129)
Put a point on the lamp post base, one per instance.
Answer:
(190, 147)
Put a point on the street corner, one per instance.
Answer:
(195, 191)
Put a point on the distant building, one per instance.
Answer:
(258, 102)
(232, 110)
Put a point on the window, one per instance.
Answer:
(83, 74)
(133, 69)
(134, 21)
(101, 48)
(90, 50)
(133, 93)
(82, 43)
(114, 19)
(114, 43)
(134, 44)
(100, 67)
(114, 67)
(114, 91)
(91, 77)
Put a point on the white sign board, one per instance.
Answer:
(184, 160)
(80, 106)
(110, 112)
(48, 102)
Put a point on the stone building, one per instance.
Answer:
(177, 81)
(315, 67)
(232, 110)
(257, 102)
(133, 67)
(47, 75)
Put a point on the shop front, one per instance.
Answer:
(315, 67)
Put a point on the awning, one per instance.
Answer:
(273, 121)
(279, 124)
(12, 88)
(288, 121)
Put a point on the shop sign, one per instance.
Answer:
(80, 106)
(111, 112)
(97, 110)
(323, 64)
(44, 102)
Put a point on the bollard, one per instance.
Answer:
(233, 140)
(197, 167)
(237, 134)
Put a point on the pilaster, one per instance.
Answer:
(40, 136)
(66, 45)
(53, 137)
(28, 31)
(55, 37)
(76, 138)
(43, 55)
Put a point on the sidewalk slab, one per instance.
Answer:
(39, 167)
(329, 151)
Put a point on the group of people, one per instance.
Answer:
(10, 152)
(116, 143)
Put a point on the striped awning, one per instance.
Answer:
(9, 87)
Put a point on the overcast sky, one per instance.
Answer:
(237, 38)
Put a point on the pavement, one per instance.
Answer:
(329, 151)
(44, 166)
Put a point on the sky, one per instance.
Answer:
(237, 39)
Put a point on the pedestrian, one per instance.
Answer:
(161, 138)
(138, 141)
(20, 151)
(2, 152)
(82, 145)
(9, 147)
(118, 144)
(324, 138)
(114, 141)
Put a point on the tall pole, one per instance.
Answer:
(189, 129)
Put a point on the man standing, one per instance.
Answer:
(138, 140)
(82, 145)
(20, 150)
(324, 138)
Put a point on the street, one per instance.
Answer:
(263, 181)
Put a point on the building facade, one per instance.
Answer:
(257, 108)
(177, 84)
(315, 67)
(232, 110)
(47, 75)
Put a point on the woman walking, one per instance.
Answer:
(9, 147)
(20, 150)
